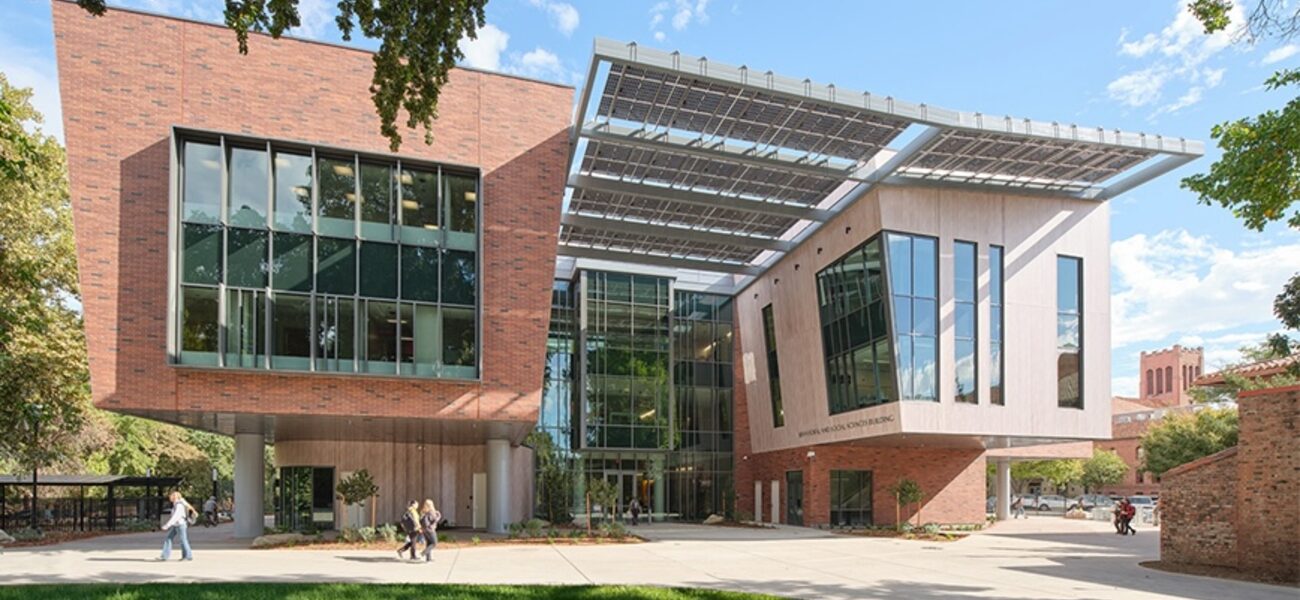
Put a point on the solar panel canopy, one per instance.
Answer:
(712, 167)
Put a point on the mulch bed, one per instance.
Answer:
(59, 537)
(1213, 571)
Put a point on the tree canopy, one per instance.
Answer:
(44, 385)
(419, 45)
(1182, 438)
(1103, 469)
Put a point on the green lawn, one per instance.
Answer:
(349, 591)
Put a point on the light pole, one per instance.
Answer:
(36, 410)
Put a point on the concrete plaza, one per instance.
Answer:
(1042, 557)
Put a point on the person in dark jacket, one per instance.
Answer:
(411, 526)
(429, 518)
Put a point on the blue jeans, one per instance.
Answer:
(182, 531)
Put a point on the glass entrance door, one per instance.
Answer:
(794, 498)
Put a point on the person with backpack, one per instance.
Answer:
(1126, 519)
(429, 518)
(411, 526)
(183, 515)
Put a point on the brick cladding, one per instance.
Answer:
(1238, 508)
(127, 78)
(953, 480)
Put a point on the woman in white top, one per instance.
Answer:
(178, 525)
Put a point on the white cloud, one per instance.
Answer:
(484, 52)
(680, 13)
(1124, 386)
(1173, 284)
(1280, 54)
(1178, 53)
(1139, 88)
(538, 63)
(29, 68)
(564, 16)
(315, 17)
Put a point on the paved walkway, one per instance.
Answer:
(1035, 558)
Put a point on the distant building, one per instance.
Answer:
(1167, 377)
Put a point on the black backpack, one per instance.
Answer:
(408, 524)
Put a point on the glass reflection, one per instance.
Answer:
(293, 183)
(202, 183)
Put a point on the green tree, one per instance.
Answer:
(419, 43)
(44, 390)
(554, 480)
(906, 492)
(356, 489)
(1104, 468)
(1060, 473)
(1257, 177)
(1182, 438)
(602, 492)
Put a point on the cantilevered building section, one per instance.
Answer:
(933, 283)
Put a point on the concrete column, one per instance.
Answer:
(498, 485)
(250, 479)
(657, 473)
(758, 501)
(1002, 504)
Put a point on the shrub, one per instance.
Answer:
(443, 538)
(387, 532)
(27, 534)
(906, 527)
(350, 535)
(931, 528)
(613, 530)
(534, 527)
(474, 540)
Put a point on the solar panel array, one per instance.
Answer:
(679, 146)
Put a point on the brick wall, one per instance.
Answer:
(952, 480)
(1240, 508)
(127, 78)
(1198, 513)
(1268, 482)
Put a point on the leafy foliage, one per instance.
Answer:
(419, 45)
(1258, 175)
(1182, 438)
(602, 492)
(357, 488)
(1287, 304)
(1060, 473)
(554, 479)
(44, 390)
(906, 492)
(1104, 468)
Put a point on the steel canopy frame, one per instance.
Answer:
(679, 147)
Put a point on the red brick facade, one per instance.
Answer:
(1238, 508)
(127, 78)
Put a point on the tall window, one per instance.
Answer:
(702, 371)
(1151, 382)
(1069, 332)
(855, 331)
(913, 285)
(773, 368)
(850, 497)
(1169, 379)
(306, 263)
(965, 339)
(997, 286)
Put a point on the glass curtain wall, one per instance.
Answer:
(965, 321)
(914, 293)
(655, 408)
(996, 290)
(299, 258)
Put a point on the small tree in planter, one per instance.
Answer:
(602, 492)
(356, 489)
(906, 492)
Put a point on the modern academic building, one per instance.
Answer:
(721, 290)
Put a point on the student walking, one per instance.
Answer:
(429, 518)
(1018, 508)
(411, 526)
(635, 509)
(183, 515)
(210, 512)
(1126, 520)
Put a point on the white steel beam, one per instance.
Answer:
(671, 232)
(668, 194)
(655, 260)
(1144, 175)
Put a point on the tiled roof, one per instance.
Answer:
(1266, 368)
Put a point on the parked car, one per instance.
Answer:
(1091, 501)
(1140, 501)
(1047, 502)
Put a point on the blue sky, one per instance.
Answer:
(1181, 272)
